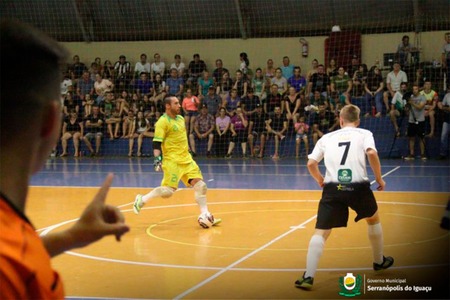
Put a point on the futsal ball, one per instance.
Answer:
(206, 220)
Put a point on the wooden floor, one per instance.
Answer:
(257, 252)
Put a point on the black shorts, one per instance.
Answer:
(416, 129)
(337, 198)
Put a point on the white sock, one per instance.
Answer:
(315, 251)
(375, 233)
(201, 201)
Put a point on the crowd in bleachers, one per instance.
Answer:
(250, 106)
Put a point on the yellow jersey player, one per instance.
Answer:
(171, 142)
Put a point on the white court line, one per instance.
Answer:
(242, 259)
(294, 228)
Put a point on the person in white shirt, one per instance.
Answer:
(179, 65)
(393, 81)
(345, 185)
(141, 66)
(157, 67)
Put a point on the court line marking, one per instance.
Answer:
(207, 280)
(235, 202)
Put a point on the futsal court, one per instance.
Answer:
(268, 210)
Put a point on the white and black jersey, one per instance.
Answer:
(344, 154)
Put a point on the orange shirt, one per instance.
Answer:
(190, 104)
(25, 269)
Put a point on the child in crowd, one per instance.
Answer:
(301, 130)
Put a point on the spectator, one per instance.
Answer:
(135, 103)
(70, 105)
(140, 128)
(273, 99)
(354, 66)
(204, 126)
(148, 107)
(277, 127)
(101, 86)
(287, 68)
(87, 105)
(314, 69)
(238, 130)
(219, 71)
(359, 79)
(122, 72)
(94, 129)
(342, 84)
(85, 85)
(77, 68)
(128, 126)
(98, 61)
(245, 64)
(203, 85)
(297, 81)
(249, 103)
(323, 122)
(446, 57)
(232, 102)
(195, 69)
(224, 86)
(178, 65)
(292, 107)
(175, 84)
(337, 102)
(159, 92)
(406, 52)
(66, 84)
(240, 84)
(212, 101)
(223, 123)
(257, 129)
(319, 82)
(280, 81)
(142, 66)
(374, 86)
(269, 71)
(393, 81)
(416, 123)
(259, 85)
(190, 108)
(444, 105)
(123, 102)
(108, 70)
(398, 106)
(72, 128)
(432, 98)
(111, 114)
(332, 69)
(93, 70)
(157, 67)
(301, 134)
(143, 86)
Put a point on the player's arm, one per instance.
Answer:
(313, 168)
(374, 162)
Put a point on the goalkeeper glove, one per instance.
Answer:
(157, 162)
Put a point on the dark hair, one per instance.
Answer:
(244, 56)
(18, 101)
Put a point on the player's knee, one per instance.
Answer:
(166, 192)
(200, 188)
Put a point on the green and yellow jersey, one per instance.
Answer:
(172, 134)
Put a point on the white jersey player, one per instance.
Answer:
(345, 185)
